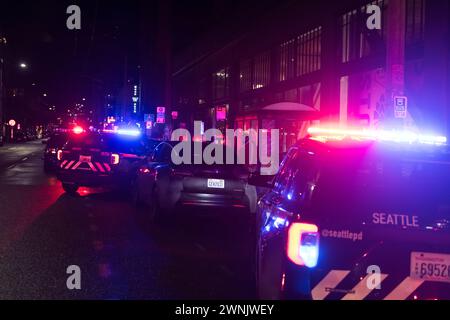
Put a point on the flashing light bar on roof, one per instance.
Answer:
(125, 132)
(330, 134)
(78, 130)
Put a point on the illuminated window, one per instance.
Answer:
(357, 40)
(348, 21)
(309, 52)
(287, 60)
(221, 84)
(261, 71)
(245, 76)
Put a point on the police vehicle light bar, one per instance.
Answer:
(125, 132)
(327, 134)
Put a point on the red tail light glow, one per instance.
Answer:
(78, 130)
(303, 244)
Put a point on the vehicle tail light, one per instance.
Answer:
(145, 170)
(303, 244)
(78, 130)
(115, 158)
(59, 155)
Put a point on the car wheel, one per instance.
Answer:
(70, 188)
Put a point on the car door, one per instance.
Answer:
(271, 229)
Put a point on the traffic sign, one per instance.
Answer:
(160, 110)
(400, 107)
(12, 123)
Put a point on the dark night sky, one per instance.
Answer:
(66, 63)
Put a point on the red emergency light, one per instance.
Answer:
(78, 130)
(358, 134)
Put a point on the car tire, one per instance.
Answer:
(70, 188)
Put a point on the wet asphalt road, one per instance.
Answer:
(200, 255)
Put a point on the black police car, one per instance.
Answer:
(100, 159)
(52, 145)
(357, 217)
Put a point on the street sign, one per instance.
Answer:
(12, 123)
(160, 115)
(221, 113)
(400, 107)
(160, 110)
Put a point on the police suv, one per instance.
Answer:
(357, 214)
(101, 159)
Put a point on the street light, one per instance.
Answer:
(23, 65)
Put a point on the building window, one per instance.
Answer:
(357, 40)
(309, 52)
(261, 71)
(310, 95)
(221, 84)
(415, 21)
(348, 21)
(245, 75)
(287, 60)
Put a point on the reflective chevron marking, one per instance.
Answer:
(404, 289)
(362, 290)
(332, 279)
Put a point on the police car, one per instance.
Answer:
(56, 141)
(109, 158)
(357, 214)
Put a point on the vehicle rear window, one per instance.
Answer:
(57, 140)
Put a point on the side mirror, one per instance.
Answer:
(261, 181)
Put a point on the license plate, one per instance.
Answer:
(430, 266)
(85, 158)
(216, 183)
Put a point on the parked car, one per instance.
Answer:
(161, 186)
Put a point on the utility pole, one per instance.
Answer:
(395, 59)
